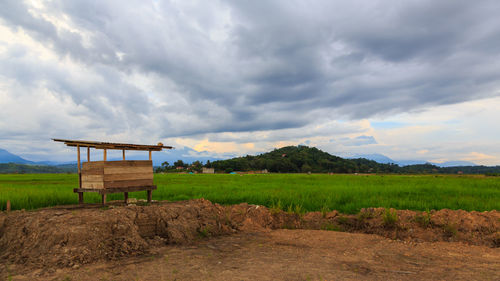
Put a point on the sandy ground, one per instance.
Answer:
(294, 255)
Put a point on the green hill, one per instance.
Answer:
(295, 159)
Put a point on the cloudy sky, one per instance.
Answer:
(407, 79)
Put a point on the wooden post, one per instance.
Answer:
(8, 206)
(150, 155)
(104, 198)
(125, 195)
(79, 170)
(123, 152)
(80, 197)
(104, 155)
(88, 154)
(150, 195)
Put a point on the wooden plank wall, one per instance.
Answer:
(93, 174)
(117, 174)
(131, 173)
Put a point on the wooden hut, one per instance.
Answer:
(106, 177)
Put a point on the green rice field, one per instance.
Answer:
(345, 193)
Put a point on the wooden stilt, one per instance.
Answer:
(80, 197)
(78, 157)
(123, 152)
(105, 156)
(125, 190)
(150, 155)
(8, 206)
(125, 195)
(88, 154)
(79, 169)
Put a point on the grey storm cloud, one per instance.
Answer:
(236, 66)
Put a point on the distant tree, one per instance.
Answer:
(196, 166)
(165, 165)
(179, 163)
(306, 168)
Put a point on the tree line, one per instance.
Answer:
(304, 159)
(14, 168)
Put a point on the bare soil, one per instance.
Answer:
(199, 240)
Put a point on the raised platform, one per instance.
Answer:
(149, 189)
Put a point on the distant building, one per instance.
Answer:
(208, 170)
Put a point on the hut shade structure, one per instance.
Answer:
(114, 176)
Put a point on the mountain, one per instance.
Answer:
(186, 154)
(55, 163)
(455, 164)
(11, 163)
(379, 158)
(7, 157)
(15, 168)
(403, 163)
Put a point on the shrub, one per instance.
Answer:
(365, 214)
(276, 208)
(296, 209)
(390, 218)
(324, 211)
(423, 219)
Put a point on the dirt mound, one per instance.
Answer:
(80, 236)
(72, 236)
(477, 228)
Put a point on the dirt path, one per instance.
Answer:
(199, 240)
(295, 255)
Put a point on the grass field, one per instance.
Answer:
(345, 193)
